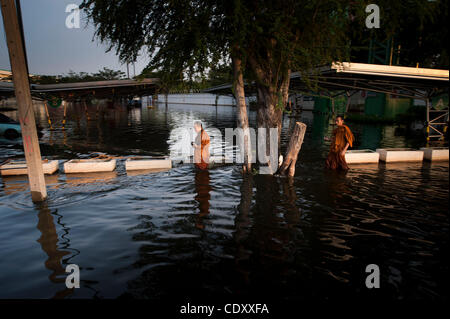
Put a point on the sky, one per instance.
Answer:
(53, 49)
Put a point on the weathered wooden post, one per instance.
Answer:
(24, 102)
(239, 94)
(294, 146)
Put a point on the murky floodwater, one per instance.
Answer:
(185, 233)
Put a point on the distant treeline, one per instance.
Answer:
(220, 74)
(170, 83)
(71, 76)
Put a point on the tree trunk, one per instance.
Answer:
(294, 146)
(272, 101)
(272, 73)
(269, 114)
(239, 93)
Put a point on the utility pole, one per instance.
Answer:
(23, 97)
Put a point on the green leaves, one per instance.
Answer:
(186, 39)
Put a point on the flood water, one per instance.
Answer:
(183, 233)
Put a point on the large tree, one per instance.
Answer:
(265, 40)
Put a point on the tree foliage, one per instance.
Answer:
(192, 37)
(417, 27)
(263, 40)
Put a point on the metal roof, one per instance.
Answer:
(101, 88)
(346, 76)
(390, 71)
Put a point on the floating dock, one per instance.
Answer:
(146, 163)
(361, 156)
(391, 155)
(20, 167)
(435, 153)
(89, 165)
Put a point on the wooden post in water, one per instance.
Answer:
(24, 102)
(428, 118)
(294, 146)
(239, 95)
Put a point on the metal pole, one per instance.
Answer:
(25, 104)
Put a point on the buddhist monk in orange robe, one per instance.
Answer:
(341, 141)
(201, 147)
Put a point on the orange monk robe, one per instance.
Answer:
(201, 152)
(341, 136)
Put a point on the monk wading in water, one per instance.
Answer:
(201, 147)
(342, 139)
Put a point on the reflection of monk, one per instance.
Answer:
(201, 145)
(342, 139)
(202, 189)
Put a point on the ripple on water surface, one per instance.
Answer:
(187, 232)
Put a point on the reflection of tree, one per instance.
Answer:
(268, 229)
(292, 213)
(243, 227)
(202, 189)
(49, 244)
(266, 233)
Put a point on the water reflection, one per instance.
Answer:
(337, 186)
(320, 127)
(202, 190)
(88, 178)
(50, 242)
(243, 225)
(19, 183)
(371, 137)
(146, 171)
(186, 233)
